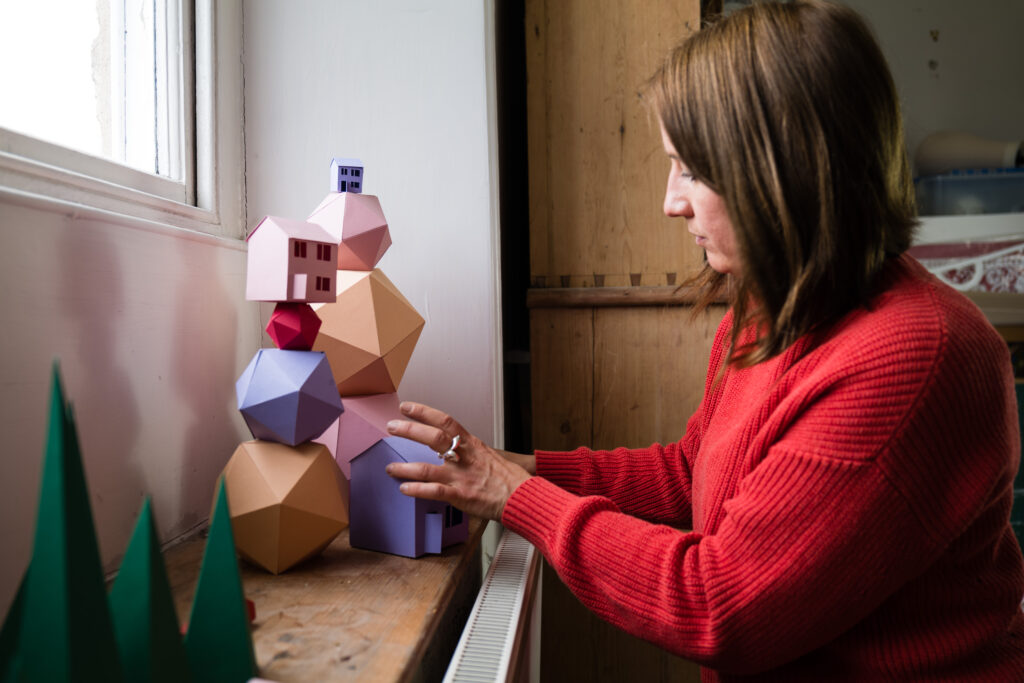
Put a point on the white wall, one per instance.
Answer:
(150, 325)
(956, 64)
(403, 86)
(150, 322)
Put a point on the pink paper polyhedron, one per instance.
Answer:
(357, 224)
(363, 424)
(293, 326)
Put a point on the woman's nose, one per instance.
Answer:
(677, 205)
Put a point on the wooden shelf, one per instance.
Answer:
(351, 614)
(611, 297)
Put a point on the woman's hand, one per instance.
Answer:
(479, 483)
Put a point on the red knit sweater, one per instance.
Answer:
(849, 501)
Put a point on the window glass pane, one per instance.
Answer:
(98, 76)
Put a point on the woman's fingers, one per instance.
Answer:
(478, 482)
(433, 417)
(429, 436)
(419, 471)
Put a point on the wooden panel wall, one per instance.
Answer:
(616, 376)
(616, 358)
(597, 169)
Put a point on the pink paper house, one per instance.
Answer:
(290, 260)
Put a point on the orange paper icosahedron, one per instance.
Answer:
(287, 502)
(368, 334)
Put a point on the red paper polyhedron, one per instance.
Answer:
(293, 326)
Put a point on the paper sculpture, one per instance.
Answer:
(383, 519)
(9, 635)
(357, 224)
(290, 260)
(66, 633)
(346, 175)
(363, 424)
(368, 334)
(293, 326)
(145, 623)
(288, 396)
(218, 642)
(287, 503)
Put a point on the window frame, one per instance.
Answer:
(210, 199)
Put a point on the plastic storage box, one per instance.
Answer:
(971, 192)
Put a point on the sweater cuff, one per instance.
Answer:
(534, 509)
(564, 468)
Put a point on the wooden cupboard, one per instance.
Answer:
(616, 358)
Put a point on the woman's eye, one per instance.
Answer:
(686, 176)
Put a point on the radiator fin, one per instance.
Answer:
(492, 630)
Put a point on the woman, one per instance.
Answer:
(848, 474)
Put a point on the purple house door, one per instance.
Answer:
(433, 531)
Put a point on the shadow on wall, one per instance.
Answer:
(202, 366)
(92, 301)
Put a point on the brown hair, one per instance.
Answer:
(789, 112)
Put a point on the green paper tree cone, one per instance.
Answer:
(145, 623)
(66, 632)
(9, 636)
(218, 642)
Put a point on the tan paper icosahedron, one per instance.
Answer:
(368, 334)
(287, 502)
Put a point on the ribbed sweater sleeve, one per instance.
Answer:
(828, 480)
(651, 483)
(788, 570)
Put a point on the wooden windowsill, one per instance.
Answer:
(351, 614)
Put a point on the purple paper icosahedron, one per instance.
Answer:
(288, 396)
(383, 519)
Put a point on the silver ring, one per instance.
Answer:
(450, 455)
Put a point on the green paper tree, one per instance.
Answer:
(9, 636)
(145, 623)
(66, 632)
(218, 641)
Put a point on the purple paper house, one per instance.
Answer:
(383, 519)
(288, 396)
(290, 260)
(346, 175)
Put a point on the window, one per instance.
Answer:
(452, 516)
(299, 249)
(100, 90)
(323, 252)
(72, 70)
(323, 284)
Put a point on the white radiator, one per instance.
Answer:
(501, 640)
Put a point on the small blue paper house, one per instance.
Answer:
(346, 175)
(383, 519)
(288, 396)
